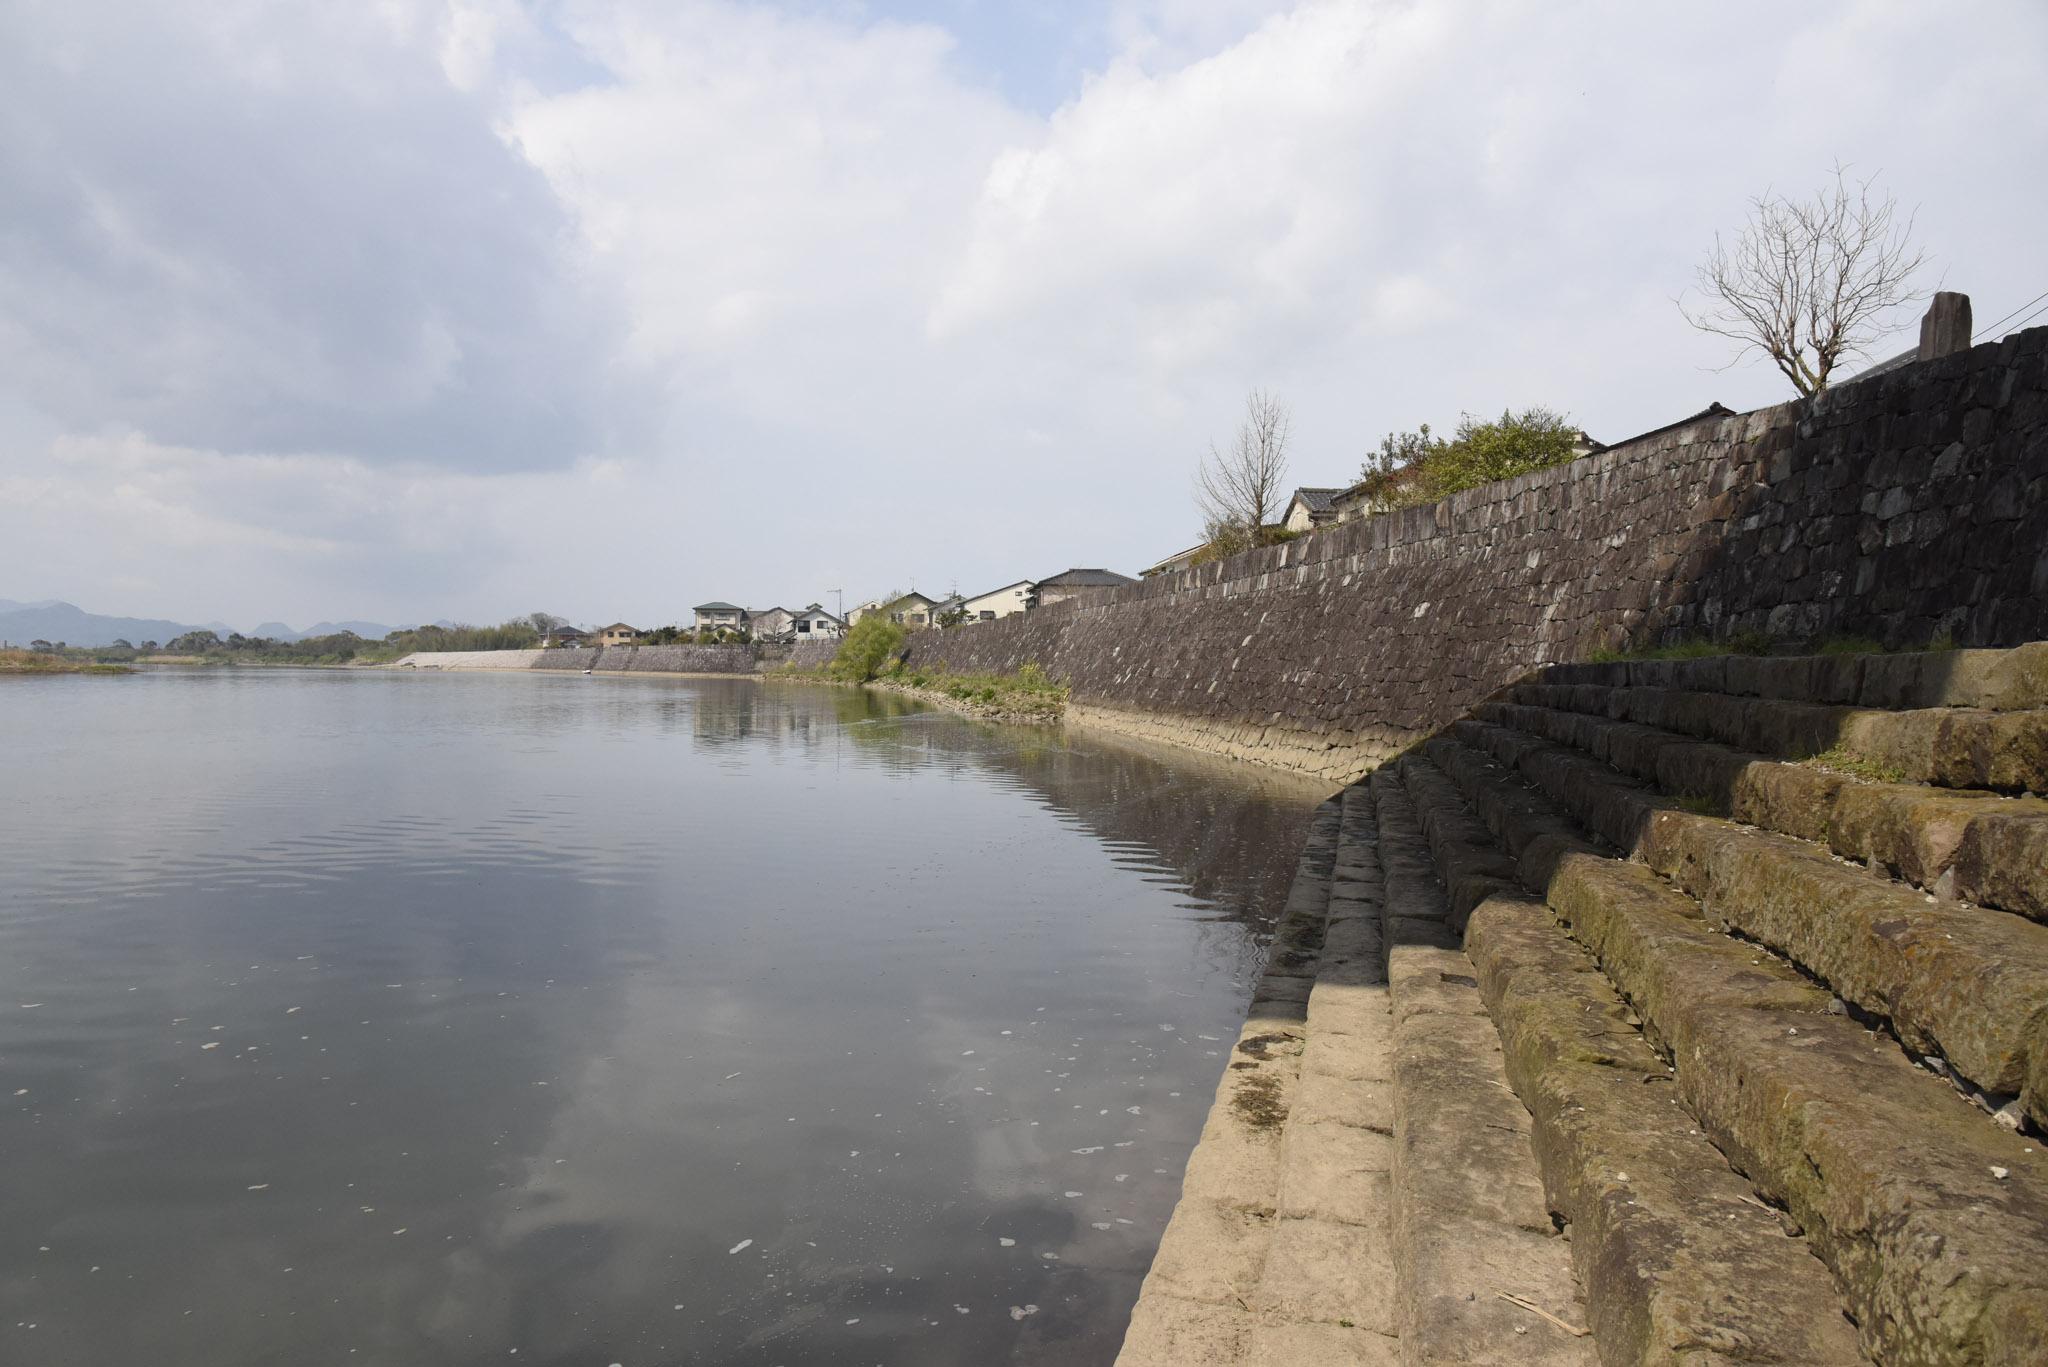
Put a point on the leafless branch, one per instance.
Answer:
(1239, 490)
(1811, 282)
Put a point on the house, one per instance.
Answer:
(1309, 509)
(1715, 409)
(1175, 563)
(1006, 601)
(1079, 583)
(617, 634)
(944, 609)
(1377, 493)
(562, 637)
(913, 609)
(816, 624)
(714, 616)
(770, 624)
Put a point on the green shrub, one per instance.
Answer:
(867, 650)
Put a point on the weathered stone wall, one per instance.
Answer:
(1907, 506)
(811, 654)
(673, 659)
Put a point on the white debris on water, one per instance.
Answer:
(1006, 1242)
(741, 1246)
(1018, 1312)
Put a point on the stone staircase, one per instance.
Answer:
(1678, 1011)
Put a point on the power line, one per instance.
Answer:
(2032, 316)
(2001, 322)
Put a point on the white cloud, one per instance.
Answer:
(610, 306)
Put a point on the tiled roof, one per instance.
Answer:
(718, 607)
(1316, 500)
(1077, 579)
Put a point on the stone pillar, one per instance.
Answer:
(1946, 327)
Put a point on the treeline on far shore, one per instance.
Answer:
(342, 647)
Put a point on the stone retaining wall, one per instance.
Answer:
(672, 659)
(1906, 507)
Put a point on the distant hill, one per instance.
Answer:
(369, 631)
(55, 621)
(76, 627)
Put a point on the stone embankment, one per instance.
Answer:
(1688, 1011)
(1902, 507)
(672, 659)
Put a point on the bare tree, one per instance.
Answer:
(1238, 490)
(1810, 282)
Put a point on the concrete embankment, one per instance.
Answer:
(670, 659)
(1688, 1011)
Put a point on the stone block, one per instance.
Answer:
(1328, 1271)
(1335, 1170)
(1171, 1331)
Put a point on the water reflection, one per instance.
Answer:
(399, 1019)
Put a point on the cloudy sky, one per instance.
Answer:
(464, 308)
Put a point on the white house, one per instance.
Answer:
(816, 624)
(711, 616)
(1021, 596)
(1079, 583)
(617, 634)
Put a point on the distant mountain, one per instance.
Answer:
(369, 631)
(55, 621)
(76, 627)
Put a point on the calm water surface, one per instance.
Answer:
(376, 1018)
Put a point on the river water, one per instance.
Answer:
(362, 1017)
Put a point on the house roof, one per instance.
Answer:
(1084, 578)
(1000, 588)
(1712, 410)
(906, 597)
(1378, 485)
(815, 611)
(1174, 560)
(1316, 500)
(718, 607)
(619, 626)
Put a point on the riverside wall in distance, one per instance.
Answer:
(1911, 507)
(670, 659)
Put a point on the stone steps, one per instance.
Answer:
(1975, 846)
(1471, 1223)
(1676, 1253)
(1940, 1259)
(1603, 1018)
(1948, 747)
(1963, 983)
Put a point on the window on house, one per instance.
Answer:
(987, 616)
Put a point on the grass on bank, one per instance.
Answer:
(872, 652)
(38, 662)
